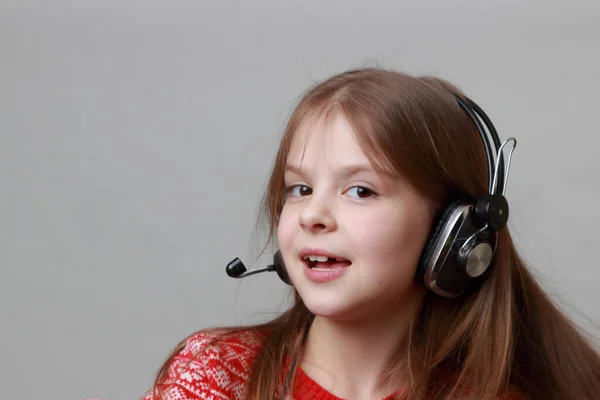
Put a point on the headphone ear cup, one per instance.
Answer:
(434, 236)
(280, 268)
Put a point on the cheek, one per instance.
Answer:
(396, 237)
(390, 254)
(286, 231)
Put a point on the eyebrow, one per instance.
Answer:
(347, 170)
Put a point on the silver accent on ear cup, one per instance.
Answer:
(456, 253)
(472, 238)
(443, 246)
(479, 259)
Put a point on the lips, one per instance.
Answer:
(322, 266)
(323, 259)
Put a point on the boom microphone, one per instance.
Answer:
(237, 269)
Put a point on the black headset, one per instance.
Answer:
(463, 239)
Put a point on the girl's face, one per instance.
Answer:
(370, 228)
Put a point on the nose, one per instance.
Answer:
(316, 217)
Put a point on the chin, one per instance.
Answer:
(329, 305)
(340, 305)
(332, 311)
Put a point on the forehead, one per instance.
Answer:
(328, 140)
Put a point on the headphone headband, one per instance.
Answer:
(475, 112)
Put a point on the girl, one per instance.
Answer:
(382, 177)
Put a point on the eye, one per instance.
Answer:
(360, 192)
(298, 190)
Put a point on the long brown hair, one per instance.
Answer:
(505, 334)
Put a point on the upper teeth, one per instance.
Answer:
(319, 258)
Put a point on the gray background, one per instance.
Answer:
(136, 138)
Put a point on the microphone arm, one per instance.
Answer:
(237, 269)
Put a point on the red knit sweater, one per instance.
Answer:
(220, 371)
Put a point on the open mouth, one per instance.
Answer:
(324, 262)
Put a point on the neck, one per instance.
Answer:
(350, 357)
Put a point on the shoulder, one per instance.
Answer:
(210, 365)
(228, 346)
